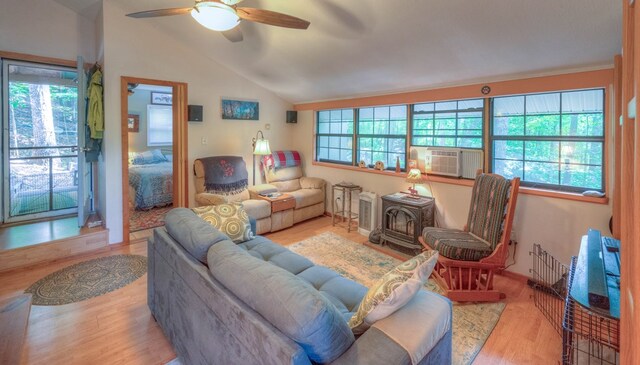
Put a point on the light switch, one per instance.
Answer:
(204, 140)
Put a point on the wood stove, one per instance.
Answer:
(403, 218)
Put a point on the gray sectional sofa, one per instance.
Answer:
(259, 303)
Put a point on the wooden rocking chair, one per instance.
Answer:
(470, 258)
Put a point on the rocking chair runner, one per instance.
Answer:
(470, 258)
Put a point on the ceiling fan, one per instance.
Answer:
(225, 15)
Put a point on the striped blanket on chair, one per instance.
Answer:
(281, 159)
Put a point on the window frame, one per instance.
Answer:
(149, 129)
(329, 135)
(492, 137)
(457, 111)
(405, 137)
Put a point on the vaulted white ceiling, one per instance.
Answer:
(367, 47)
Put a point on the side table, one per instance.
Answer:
(281, 211)
(344, 190)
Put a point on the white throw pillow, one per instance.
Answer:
(392, 291)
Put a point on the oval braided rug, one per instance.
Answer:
(87, 279)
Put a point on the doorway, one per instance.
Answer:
(40, 143)
(154, 133)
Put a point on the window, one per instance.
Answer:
(382, 135)
(159, 125)
(448, 124)
(552, 140)
(335, 136)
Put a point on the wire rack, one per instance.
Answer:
(587, 337)
(549, 281)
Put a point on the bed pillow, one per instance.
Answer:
(392, 291)
(148, 157)
(230, 219)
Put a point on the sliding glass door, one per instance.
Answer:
(40, 141)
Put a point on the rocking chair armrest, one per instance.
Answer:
(498, 256)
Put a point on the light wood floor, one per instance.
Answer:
(117, 328)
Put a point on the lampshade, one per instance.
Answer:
(262, 147)
(215, 16)
(414, 176)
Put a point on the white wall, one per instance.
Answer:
(556, 224)
(46, 28)
(135, 48)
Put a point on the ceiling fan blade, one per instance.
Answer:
(272, 18)
(160, 12)
(234, 34)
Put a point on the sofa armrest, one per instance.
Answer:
(374, 347)
(419, 332)
(311, 182)
(210, 199)
(256, 190)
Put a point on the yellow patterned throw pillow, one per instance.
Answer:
(392, 291)
(230, 219)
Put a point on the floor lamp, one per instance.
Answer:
(260, 147)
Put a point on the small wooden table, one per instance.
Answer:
(280, 203)
(345, 189)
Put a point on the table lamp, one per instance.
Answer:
(414, 177)
(260, 148)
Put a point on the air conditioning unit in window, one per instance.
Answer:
(456, 162)
(368, 207)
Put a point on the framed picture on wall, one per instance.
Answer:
(161, 98)
(133, 123)
(240, 109)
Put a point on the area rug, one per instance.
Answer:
(144, 219)
(87, 279)
(472, 322)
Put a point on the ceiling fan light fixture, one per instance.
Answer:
(215, 16)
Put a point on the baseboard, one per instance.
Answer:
(23, 257)
(515, 276)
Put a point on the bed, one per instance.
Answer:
(151, 184)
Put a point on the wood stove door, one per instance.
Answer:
(401, 223)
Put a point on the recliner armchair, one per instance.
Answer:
(258, 209)
(309, 192)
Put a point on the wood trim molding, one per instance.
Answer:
(37, 59)
(629, 290)
(577, 80)
(469, 183)
(617, 154)
(41, 59)
(180, 144)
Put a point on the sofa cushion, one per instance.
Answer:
(194, 235)
(283, 174)
(345, 294)
(231, 219)
(257, 209)
(392, 291)
(289, 303)
(456, 244)
(287, 186)
(307, 197)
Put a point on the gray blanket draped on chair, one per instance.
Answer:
(225, 175)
